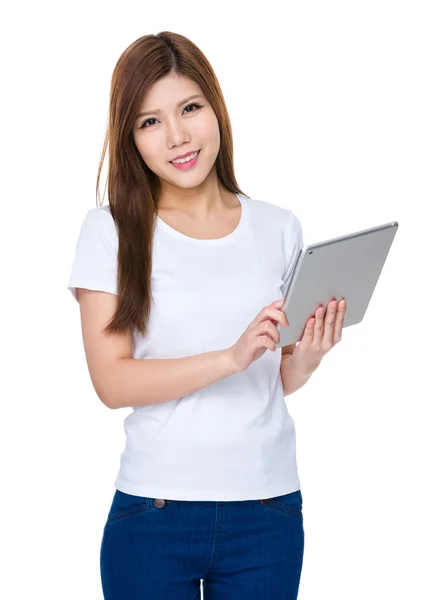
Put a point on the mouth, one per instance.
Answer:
(187, 163)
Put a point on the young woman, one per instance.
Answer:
(180, 282)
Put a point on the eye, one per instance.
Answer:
(143, 126)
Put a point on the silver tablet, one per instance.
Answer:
(343, 267)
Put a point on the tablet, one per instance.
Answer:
(343, 267)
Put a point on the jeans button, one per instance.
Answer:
(159, 502)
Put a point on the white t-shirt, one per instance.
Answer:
(234, 439)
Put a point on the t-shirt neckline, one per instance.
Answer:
(227, 239)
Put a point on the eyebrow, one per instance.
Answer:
(149, 112)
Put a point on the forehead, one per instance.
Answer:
(169, 90)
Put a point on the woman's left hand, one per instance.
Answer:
(320, 335)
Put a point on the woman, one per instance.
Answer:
(180, 282)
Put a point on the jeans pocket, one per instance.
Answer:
(291, 504)
(126, 505)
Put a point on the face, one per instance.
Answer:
(177, 125)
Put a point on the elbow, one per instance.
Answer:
(106, 399)
(105, 395)
(107, 384)
(108, 403)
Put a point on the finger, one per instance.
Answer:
(267, 328)
(339, 321)
(278, 304)
(327, 339)
(266, 342)
(319, 326)
(283, 320)
(269, 312)
(308, 332)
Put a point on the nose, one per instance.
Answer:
(177, 134)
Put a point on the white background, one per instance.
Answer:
(331, 106)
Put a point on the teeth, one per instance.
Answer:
(187, 159)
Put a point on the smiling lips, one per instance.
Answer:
(185, 155)
(186, 163)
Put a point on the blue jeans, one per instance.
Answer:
(157, 549)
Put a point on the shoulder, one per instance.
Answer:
(99, 219)
(269, 211)
(98, 231)
(101, 213)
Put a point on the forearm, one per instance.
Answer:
(293, 377)
(136, 382)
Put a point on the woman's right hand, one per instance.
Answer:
(259, 336)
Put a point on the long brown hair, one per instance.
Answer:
(133, 189)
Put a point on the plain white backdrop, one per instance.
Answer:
(330, 105)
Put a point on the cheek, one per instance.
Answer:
(150, 153)
(209, 131)
(209, 139)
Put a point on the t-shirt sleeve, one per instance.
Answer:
(95, 262)
(293, 243)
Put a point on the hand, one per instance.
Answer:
(320, 337)
(259, 336)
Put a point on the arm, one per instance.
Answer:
(121, 380)
(134, 382)
(293, 377)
